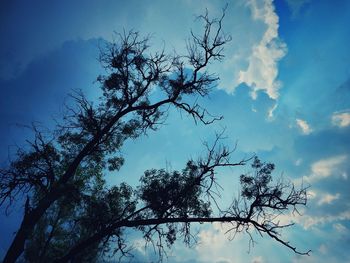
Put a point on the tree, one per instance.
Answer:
(71, 215)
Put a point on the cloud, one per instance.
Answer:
(258, 259)
(212, 243)
(215, 245)
(296, 5)
(341, 119)
(340, 228)
(304, 126)
(271, 110)
(321, 169)
(298, 162)
(328, 198)
(323, 249)
(321, 144)
(309, 221)
(311, 194)
(326, 167)
(262, 70)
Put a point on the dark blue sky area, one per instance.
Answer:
(284, 94)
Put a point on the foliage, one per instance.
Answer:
(72, 215)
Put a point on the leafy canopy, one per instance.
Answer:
(72, 215)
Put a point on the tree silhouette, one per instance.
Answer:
(71, 215)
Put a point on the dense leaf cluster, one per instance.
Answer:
(72, 215)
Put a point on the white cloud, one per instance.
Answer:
(344, 175)
(262, 70)
(296, 5)
(304, 259)
(340, 228)
(140, 245)
(332, 166)
(325, 168)
(212, 244)
(304, 126)
(341, 119)
(298, 162)
(328, 198)
(311, 194)
(323, 249)
(258, 259)
(271, 111)
(309, 221)
(215, 245)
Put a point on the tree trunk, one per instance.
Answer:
(30, 219)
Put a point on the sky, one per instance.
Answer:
(284, 92)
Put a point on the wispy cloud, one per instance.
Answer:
(258, 259)
(341, 119)
(216, 245)
(262, 70)
(308, 221)
(325, 168)
(323, 249)
(298, 162)
(340, 228)
(311, 194)
(304, 126)
(213, 243)
(328, 198)
(296, 5)
(271, 112)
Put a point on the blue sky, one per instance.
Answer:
(284, 94)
